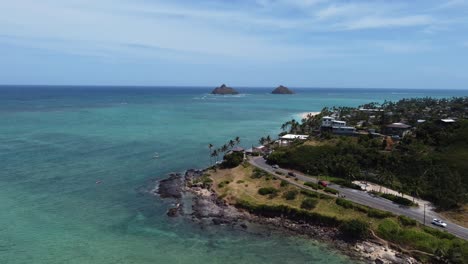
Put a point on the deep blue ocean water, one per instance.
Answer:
(56, 142)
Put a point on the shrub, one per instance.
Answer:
(397, 199)
(406, 221)
(205, 181)
(312, 185)
(344, 203)
(345, 183)
(290, 195)
(361, 208)
(376, 213)
(289, 212)
(258, 173)
(240, 181)
(232, 160)
(389, 229)
(223, 184)
(310, 194)
(437, 233)
(267, 190)
(309, 203)
(332, 191)
(356, 229)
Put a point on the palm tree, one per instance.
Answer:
(268, 139)
(210, 146)
(231, 143)
(262, 141)
(215, 154)
(224, 148)
(237, 139)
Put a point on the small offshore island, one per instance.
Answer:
(282, 90)
(224, 90)
(300, 182)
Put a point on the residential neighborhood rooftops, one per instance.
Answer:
(448, 120)
(292, 136)
(399, 125)
(237, 149)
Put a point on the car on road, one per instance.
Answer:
(438, 222)
(291, 174)
(323, 183)
(275, 166)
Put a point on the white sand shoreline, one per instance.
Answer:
(306, 114)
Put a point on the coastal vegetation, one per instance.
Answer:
(429, 162)
(222, 150)
(264, 195)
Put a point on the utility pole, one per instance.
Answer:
(424, 214)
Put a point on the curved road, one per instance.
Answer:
(365, 198)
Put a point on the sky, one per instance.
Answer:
(261, 43)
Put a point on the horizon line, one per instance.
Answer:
(209, 86)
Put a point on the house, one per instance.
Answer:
(336, 126)
(237, 149)
(260, 150)
(448, 121)
(343, 130)
(286, 139)
(397, 129)
(293, 137)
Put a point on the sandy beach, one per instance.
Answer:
(306, 114)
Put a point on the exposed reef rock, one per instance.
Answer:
(223, 89)
(282, 90)
(171, 187)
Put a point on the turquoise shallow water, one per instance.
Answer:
(55, 143)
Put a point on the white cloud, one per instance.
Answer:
(387, 22)
(402, 47)
(126, 28)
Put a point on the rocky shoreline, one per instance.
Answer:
(203, 206)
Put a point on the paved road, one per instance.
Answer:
(365, 198)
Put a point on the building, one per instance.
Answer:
(286, 139)
(448, 121)
(237, 149)
(260, 150)
(343, 130)
(336, 126)
(397, 129)
(328, 121)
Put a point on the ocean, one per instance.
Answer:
(57, 142)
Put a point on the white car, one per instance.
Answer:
(275, 166)
(438, 222)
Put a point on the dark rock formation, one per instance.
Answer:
(173, 212)
(171, 187)
(223, 89)
(282, 90)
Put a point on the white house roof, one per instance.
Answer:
(448, 120)
(292, 136)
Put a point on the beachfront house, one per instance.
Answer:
(288, 138)
(260, 150)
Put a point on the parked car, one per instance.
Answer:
(275, 166)
(438, 222)
(291, 174)
(323, 183)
